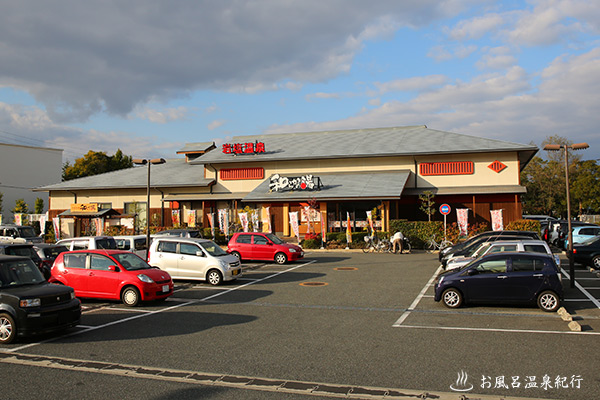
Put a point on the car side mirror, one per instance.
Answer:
(270, 243)
(113, 268)
(199, 253)
(472, 272)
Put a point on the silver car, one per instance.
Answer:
(535, 246)
(195, 259)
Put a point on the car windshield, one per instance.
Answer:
(480, 250)
(18, 273)
(26, 232)
(130, 261)
(213, 249)
(274, 238)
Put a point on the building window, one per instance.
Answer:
(446, 168)
(104, 206)
(230, 174)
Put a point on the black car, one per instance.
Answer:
(48, 253)
(503, 278)
(25, 250)
(490, 236)
(588, 252)
(30, 305)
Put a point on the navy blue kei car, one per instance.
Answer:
(503, 278)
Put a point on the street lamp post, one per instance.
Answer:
(558, 147)
(139, 161)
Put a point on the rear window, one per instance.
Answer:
(244, 239)
(527, 264)
(53, 252)
(75, 260)
(535, 248)
(167, 247)
(22, 251)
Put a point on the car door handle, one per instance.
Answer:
(502, 277)
(538, 275)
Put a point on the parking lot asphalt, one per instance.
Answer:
(336, 324)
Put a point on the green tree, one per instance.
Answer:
(94, 163)
(585, 187)
(39, 206)
(21, 207)
(427, 200)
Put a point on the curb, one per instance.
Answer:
(565, 316)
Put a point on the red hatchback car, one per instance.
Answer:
(111, 274)
(263, 246)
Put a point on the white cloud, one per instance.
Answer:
(79, 59)
(499, 106)
(216, 124)
(497, 58)
(476, 27)
(321, 95)
(449, 52)
(418, 83)
(163, 116)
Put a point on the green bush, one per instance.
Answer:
(311, 244)
(524, 225)
(419, 232)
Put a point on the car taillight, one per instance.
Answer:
(574, 251)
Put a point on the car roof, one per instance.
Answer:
(4, 245)
(181, 239)
(129, 236)
(4, 257)
(99, 251)
(532, 241)
(515, 253)
(85, 238)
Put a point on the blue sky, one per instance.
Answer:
(149, 76)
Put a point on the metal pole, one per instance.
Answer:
(570, 237)
(148, 213)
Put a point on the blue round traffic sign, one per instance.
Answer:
(445, 209)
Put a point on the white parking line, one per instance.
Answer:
(459, 328)
(585, 292)
(141, 315)
(418, 299)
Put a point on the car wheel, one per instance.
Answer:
(548, 301)
(452, 298)
(280, 258)
(8, 329)
(238, 255)
(130, 296)
(214, 277)
(596, 262)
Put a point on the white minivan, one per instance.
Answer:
(89, 243)
(534, 246)
(133, 243)
(191, 258)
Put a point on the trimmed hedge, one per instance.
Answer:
(419, 232)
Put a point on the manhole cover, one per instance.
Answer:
(313, 284)
(346, 269)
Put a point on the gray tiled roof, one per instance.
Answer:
(408, 140)
(175, 172)
(195, 147)
(359, 185)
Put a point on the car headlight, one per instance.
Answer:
(30, 303)
(224, 264)
(145, 278)
(292, 250)
(441, 280)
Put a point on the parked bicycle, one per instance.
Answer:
(375, 244)
(432, 244)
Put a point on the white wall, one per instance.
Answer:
(23, 168)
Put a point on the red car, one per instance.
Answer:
(111, 274)
(263, 246)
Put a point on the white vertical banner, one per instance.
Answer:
(222, 213)
(255, 221)
(43, 219)
(294, 223)
(211, 221)
(56, 224)
(497, 221)
(307, 214)
(462, 217)
(244, 220)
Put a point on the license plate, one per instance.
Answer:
(235, 272)
(165, 288)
